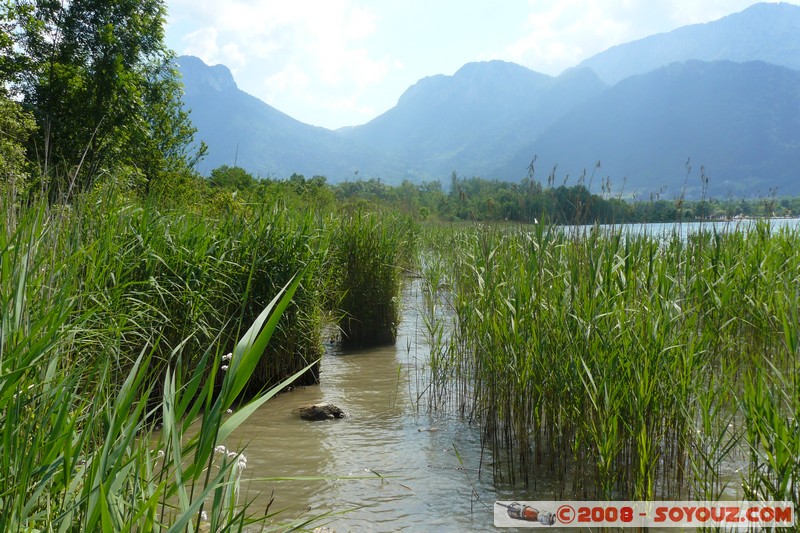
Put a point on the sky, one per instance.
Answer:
(336, 63)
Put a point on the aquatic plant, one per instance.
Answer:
(115, 315)
(370, 253)
(620, 365)
(78, 451)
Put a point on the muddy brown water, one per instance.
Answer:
(387, 466)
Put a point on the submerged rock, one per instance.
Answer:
(319, 411)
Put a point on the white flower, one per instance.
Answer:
(227, 357)
(229, 411)
(220, 449)
(224, 368)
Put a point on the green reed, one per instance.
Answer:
(370, 255)
(115, 316)
(116, 313)
(78, 450)
(190, 280)
(620, 365)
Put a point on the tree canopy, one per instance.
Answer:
(102, 87)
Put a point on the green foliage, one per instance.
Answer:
(165, 148)
(369, 256)
(480, 200)
(116, 313)
(103, 90)
(78, 451)
(14, 16)
(235, 178)
(624, 366)
(15, 127)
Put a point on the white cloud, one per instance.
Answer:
(203, 44)
(560, 34)
(289, 79)
(322, 35)
(278, 48)
(232, 56)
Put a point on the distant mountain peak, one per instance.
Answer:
(751, 34)
(421, 87)
(493, 67)
(480, 79)
(766, 6)
(197, 74)
(725, 94)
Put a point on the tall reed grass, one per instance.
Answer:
(621, 366)
(116, 313)
(370, 255)
(189, 280)
(82, 342)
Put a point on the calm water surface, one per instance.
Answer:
(666, 229)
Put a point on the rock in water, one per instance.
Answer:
(319, 411)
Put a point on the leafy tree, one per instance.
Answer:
(235, 178)
(9, 56)
(103, 89)
(15, 127)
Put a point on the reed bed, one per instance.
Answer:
(624, 366)
(119, 315)
(78, 450)
(185, 280)
(371, 253)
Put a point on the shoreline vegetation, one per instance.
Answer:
(135, 292)
(121, 317)
(528, 201)
(126, 299)
(622, 366)
(618, 366)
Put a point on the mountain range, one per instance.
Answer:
(724, 96)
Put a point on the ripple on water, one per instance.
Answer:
(380, 463)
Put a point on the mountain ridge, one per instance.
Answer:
(740, 121)
(490, 118)
(709, 41)
(242, 130)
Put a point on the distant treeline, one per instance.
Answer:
(478, 199)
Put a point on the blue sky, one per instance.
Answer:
(337, 63)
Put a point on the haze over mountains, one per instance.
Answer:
(724, 95)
